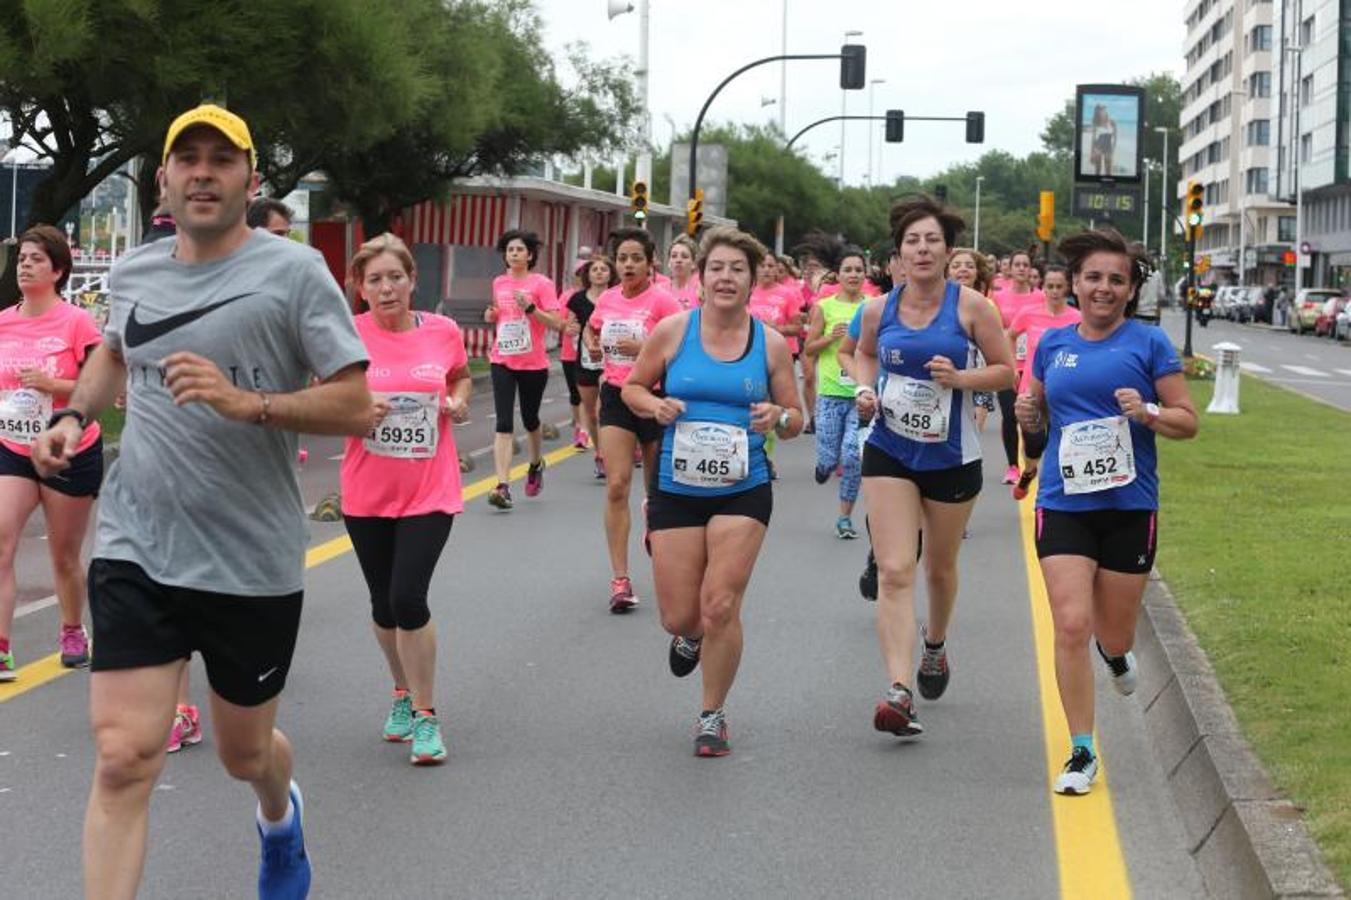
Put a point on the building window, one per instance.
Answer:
(1306, 32)
(1306, 90)
(1213, 153)
(1256, 181)
(1259, 39)
(1259, 84)
(1285, 228)
(1305, 147)
(1259, 132)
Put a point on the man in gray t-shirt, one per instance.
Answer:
(201, 532)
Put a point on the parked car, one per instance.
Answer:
(1307, 306)
(1246, 304)
(1326, 323)
(1222, 306)
(1342, 330)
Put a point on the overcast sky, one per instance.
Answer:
(1018, 62)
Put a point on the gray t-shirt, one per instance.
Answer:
(195, 499)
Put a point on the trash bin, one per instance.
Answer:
(1225, 399)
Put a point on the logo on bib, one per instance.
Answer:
(402, 404)
(920, 393)
(25, 402)
(710, 436)
(1098, 437)
(429, 372)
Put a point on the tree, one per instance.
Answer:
(396, 96)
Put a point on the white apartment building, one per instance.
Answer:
(1313, 81)
(1229, 135)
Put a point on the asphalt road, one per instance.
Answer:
(1317, 367)
(571, 771)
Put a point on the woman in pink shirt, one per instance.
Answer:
(524, 306)
(401, 483)
(1017, 294)
(623, 318)
(684, 284)
(1028, 325)
(43, 343)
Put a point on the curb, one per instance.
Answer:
(1245, 838)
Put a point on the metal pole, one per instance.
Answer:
(783, 76)
(979, 179)
(1242, 248)
(643, 167)
(1163, 209)
(844, 111)
(14, 196)
(1144, 218)
(1191, 284)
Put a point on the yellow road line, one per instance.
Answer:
(49, 668)
(1088, 849)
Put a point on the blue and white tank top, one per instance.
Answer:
(711, 449)
(923, 425)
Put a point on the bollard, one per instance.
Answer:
(1225, 399)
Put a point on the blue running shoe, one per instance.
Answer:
(284, 873)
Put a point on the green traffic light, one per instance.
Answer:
(1194, 219)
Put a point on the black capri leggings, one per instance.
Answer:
(1034, 443)
(1008, 425)
(505, 382)
(570, 376)
(398, 557)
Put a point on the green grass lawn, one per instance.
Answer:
(111, 422)
(1256, 545)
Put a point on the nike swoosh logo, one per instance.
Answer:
(270, 672)
(138, 333)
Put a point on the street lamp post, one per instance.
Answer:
(643, 167)
(871, 137)
(1163, 207)
(979, 179)
(1144, 218)
(844, 103)
(783, 75)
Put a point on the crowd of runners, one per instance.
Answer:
(228, 340)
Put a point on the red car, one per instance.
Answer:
(1326, 323)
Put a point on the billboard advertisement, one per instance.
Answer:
(1109, 120)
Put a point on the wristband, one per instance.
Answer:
(68, 413)
(861, 389)
(267, 406)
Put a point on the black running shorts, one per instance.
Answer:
(958, 484)
(1119, 540)
(246, 642)
(615, 413)
(669, 510)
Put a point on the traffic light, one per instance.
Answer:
(895, 126)
(975, 128)
(1046, 216)
(1194, 210)
(853, 67)
(694, 212)
(638, 200)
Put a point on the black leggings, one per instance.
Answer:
(505, 382)
(1008, 425)
(570, 376)
(398, 557)
(1034, 443)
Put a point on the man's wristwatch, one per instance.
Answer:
(785, 418)
(1152, 412)
(68, 413)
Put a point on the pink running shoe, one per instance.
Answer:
(1011, 475)
(187, 729)
(74, 646)
(534, 479)
(580, 439)
(621, 595)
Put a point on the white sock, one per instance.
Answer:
(282, 824)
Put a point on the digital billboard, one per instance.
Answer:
(1110, 142)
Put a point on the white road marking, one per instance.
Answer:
(1305, 370)
(1253, 367)
(28, 609)
(1343, 371)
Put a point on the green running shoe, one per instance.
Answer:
(399, 725)
(428, 747)
(8, 669)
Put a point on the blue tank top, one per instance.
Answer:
(710, 450)
(924, 426)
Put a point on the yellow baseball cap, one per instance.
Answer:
(227, 123)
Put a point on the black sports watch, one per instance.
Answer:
(530, 309)
(68, 413)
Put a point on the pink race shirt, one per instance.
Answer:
(767, 305)
(1034, 321)
(793, 305)
(519, 340)
(687, 296)
(567, 344)
(391, 474)
(617, 316)
(1009, 302)
(57, 342)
